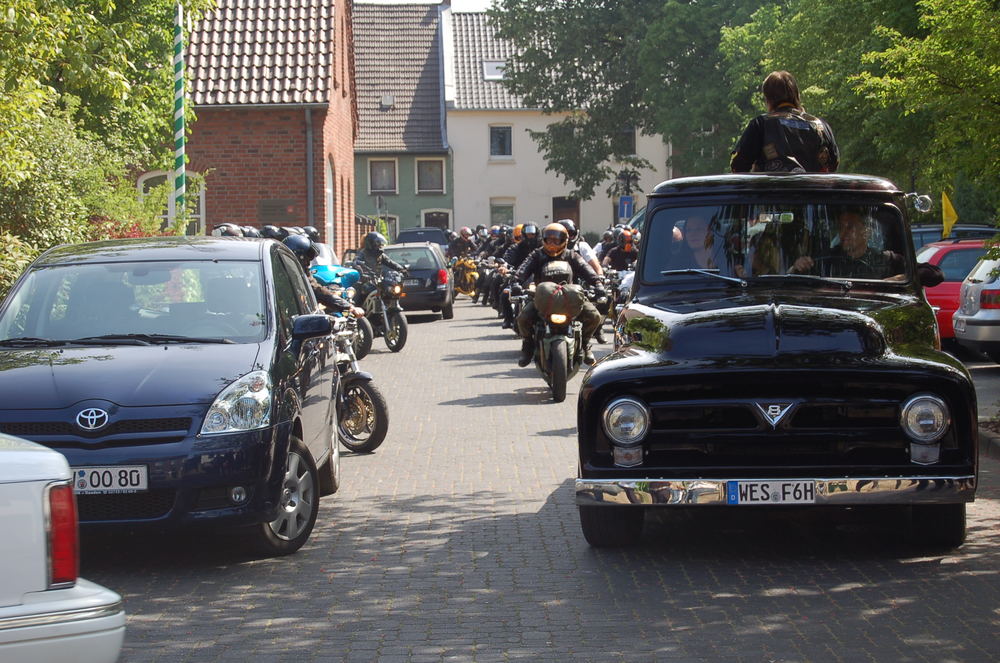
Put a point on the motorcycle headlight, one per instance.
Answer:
(243, 405)
(558, 319)
(626, 421)
(396, 289)
(350, 293)
(925, 418)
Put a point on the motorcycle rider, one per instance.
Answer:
(516, 254)
(554, 242)
(372, 255)
(624, 254)
(303, 249)
(462, 245)
(607, 243)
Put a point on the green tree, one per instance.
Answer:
(949, 71)
(613, 65)
(824, 46)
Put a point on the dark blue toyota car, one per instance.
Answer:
(186, 379)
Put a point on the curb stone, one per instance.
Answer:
(989, 443)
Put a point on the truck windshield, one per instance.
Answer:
(840, 241)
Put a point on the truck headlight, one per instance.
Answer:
(925, 418)
(243, 405)
(626, 421)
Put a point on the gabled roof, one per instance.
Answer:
(262, 52)
(476, 42)
(397, 60)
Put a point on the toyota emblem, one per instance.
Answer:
(92, 418)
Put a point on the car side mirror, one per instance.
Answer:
(929, 275)
(310, 326)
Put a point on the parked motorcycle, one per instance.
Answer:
(362, 413)
(382, 293)
(466, 275)
(559, 343)
(345, 278)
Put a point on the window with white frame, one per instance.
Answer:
(501, 211)
(501, 141)
(430, 175)
(196, 222)
(382, 176)
(493, 70)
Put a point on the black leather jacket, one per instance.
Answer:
(534, 267)
(375, 261)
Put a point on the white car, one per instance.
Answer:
(47, 612)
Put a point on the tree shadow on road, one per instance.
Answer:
(506, 575)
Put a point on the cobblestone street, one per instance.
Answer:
(458, 540)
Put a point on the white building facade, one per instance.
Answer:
(499, 172)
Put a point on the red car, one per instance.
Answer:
(956, 258)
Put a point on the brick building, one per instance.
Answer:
(272, 84)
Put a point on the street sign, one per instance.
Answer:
(626, 207)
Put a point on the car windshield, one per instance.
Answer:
(162, 301)
(419, 257)
(840, 241)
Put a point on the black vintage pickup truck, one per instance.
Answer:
(777, 349)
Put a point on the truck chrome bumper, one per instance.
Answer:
(828, 492)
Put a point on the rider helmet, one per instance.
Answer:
(465, 232)
(274, 232)
(227, 230)
(250, 231)
(607, 237)
(529, 233)
(571, 229)
(554, 239)
(494, 231)
(625, 240)
(518, 230)
(312, 233)
(302, 247)
(374, 242)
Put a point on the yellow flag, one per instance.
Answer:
(948, 214)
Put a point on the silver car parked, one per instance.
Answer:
(977, 320)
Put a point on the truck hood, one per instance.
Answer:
(753, 327)
(130, 376)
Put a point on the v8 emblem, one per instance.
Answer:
(775, 412)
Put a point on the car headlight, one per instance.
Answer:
(558, 319)
(243, 405)
(626, 421)
(925, 418)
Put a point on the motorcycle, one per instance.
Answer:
(559, 344)
(345, 278)
(487, 272)
(466, 275)
(381, 305)
(362, 413)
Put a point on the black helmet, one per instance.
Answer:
(273, 232)
(529, 236)
(250, 231)
(293, 230)
(529, 229)
(227, 230)
(571, 230)
(312, 233)
(301, 246)
(608, 236)
(374, 242)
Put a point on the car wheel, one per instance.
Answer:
(448, 312)
(297, 505)
(365, 421)
(937, 526)
(611, 526)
